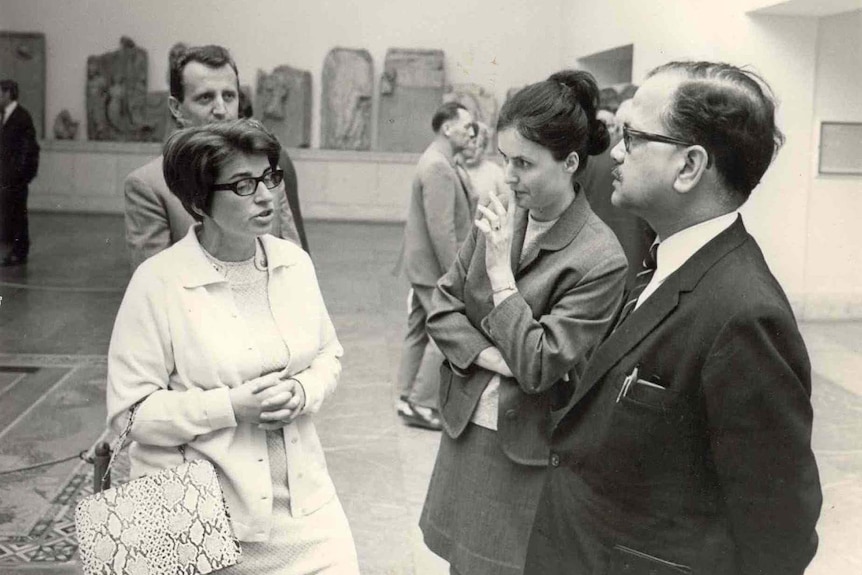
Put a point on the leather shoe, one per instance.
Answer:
(13, 260)
(418, 416)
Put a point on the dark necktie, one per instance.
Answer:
(642, 281)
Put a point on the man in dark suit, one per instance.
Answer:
(19, 161)
(204, 88)
(686, 448)
(439, 219)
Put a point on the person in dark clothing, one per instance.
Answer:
(19, 162)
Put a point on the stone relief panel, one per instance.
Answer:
(283, 104)
(117, 103)
(159, 121)
(348, 88)
(482, 105)
(411, 90)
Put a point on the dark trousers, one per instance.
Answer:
(15, 224)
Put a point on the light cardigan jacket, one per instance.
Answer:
(180, 342)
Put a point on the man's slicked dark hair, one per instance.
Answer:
(10, 86)
(211, 56)
(730, 111)
(446, 112)
(194, 157)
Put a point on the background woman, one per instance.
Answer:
(483, 175)
(226, 345)
(517, 315)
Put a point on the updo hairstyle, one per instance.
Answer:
(559, 114)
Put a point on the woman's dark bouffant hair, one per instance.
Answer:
(194, 157)
(559, 114)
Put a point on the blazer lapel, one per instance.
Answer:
(519, 229)
(650, 314)
(559, 236)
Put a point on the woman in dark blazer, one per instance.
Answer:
(531, 293)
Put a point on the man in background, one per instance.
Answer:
(19, 162)
(204, 85)
(438, 221)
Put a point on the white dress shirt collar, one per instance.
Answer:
(681, 246)
(10, 107)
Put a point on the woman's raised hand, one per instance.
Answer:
(496, 224)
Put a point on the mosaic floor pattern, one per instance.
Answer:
(50, 410)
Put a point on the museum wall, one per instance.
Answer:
(783, 49)
(485, 43)
(834, 257)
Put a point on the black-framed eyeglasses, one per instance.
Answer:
(630, 134)
(247, 186)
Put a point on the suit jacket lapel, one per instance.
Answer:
(659, 305)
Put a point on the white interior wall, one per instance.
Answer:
(833, 269)
(805, 223)
(484, 43)
(782, 49)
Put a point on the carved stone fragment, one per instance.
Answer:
(283, 104)
(65, 128)
(348, 86)
(411, 90)
(117, 94)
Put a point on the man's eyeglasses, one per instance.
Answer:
(630, 134)
(247, 186)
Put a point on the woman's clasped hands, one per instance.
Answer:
(271, 401)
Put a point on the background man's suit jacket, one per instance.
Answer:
(19, 151)
(439, 219)
(156, 219)
(715, 473)
(569, 287)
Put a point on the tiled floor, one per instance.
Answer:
(55, 321)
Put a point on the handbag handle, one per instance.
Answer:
(120, 443)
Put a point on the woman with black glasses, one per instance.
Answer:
(223, 346)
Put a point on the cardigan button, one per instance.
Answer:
(511, 414)
(555, 460)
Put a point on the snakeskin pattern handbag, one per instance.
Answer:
(171, 522)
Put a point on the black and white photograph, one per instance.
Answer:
(444, 287)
